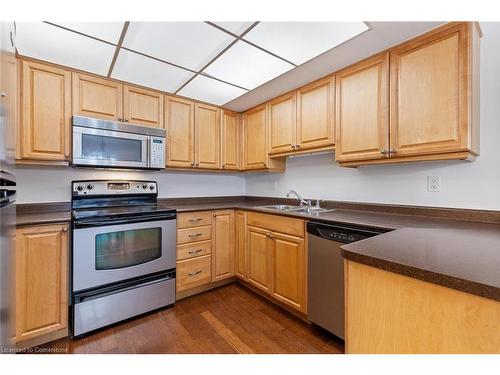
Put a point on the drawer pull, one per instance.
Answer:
(194, 220)
(195, 251)
(195, 235)
(194, 273)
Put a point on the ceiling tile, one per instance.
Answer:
(299, 42)
(210, 90)
(141, 70)
(188, 44)
(46, 42)
(108, 31)
(235, 27)
(247, 66)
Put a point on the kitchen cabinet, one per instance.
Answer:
(179, 123)
(388, 313)
(207, 136)
(241, 254)
(45, 114)
(230, 140)
(97, 97)
(142, 107)
(193, 273)
(282, 123)
(277, 258)
(255, 142)
(315, 115)
(362, 113)
(422, 106)
(223, 244)
(41, 282)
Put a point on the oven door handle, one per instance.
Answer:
(128, 220)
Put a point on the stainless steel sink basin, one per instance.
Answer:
(281, 207)
(313, 210)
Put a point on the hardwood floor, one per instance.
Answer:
(229, 319)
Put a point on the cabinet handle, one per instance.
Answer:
(195, 251)
(384, 151)
(392, 151)
(65, 229)
(297, 146)
(197, 164)
(3, 95)
(293, 147)
(120, 119)
(66, 155)
(194, 273)
(224, 165)
(125, 120)
(195, 235)
(192, 164)
(196, 219)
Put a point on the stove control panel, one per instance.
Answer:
(115, 187)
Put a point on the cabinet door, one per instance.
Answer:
(315, 109)
(223, 231)
(230, 141)
(207, 136)
(179, 122)
(41, 280)
(142, 107)
(429, 101)
(97, 97)
(362, 110)
(282, 124)
(259, 266)
(289, 270)
(241, 246)
(46, 112)
(255, 139)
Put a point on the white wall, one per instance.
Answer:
(463, 184)
(36, 184)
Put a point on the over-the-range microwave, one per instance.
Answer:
(102, 143)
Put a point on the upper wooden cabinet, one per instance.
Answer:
(41, 282)
(282, 123)
(223, 244)
(362, 101)
(431, 92)
(315, 115)
(207, 136)
(179, 123)
(142, 107)
(97, 97)
(45, 122)
(255, 141)
(230, 140)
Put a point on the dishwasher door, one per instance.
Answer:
(326, 284)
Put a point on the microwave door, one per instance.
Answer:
(97, 147)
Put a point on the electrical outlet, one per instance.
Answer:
(433, 184)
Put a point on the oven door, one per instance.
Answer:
(108, 254)
(97, 147)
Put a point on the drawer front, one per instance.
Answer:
(197, 234)
(193, 272)
(277, 223)
(194, 219)
(192, 250)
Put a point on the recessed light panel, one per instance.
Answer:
(141, 70)
(188, 44)
(247, 66)
(50, 43)
(235, 27)
(108, 31)
(210, 90)
(299, 42)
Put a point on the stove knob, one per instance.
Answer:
(79, 188)
(90, 187)
(151, 187)
(144, 186)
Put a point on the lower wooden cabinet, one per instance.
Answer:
(193, 272)
(259, 258)
(223, 244)
(241, 253)
(41, 281)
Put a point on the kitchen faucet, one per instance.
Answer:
(299, 198)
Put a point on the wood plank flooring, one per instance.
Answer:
(229, 319)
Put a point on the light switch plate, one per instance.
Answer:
(433, 184)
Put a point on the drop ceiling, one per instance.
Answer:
(234, 64)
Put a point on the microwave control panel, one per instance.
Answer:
(157, 152)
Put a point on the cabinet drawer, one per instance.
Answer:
(194, 249)
(194, 219)
(193, 234)
(276, 223)
(193, 272)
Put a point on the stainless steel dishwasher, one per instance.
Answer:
(326, 272)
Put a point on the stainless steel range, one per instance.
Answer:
(124, 255)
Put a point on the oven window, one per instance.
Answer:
(111, 148)
(127, 248)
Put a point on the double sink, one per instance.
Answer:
(302, 209)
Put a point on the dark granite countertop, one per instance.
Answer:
(462, 255)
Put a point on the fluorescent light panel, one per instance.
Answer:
(210, 90)
(235, 27)
(108, 31)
